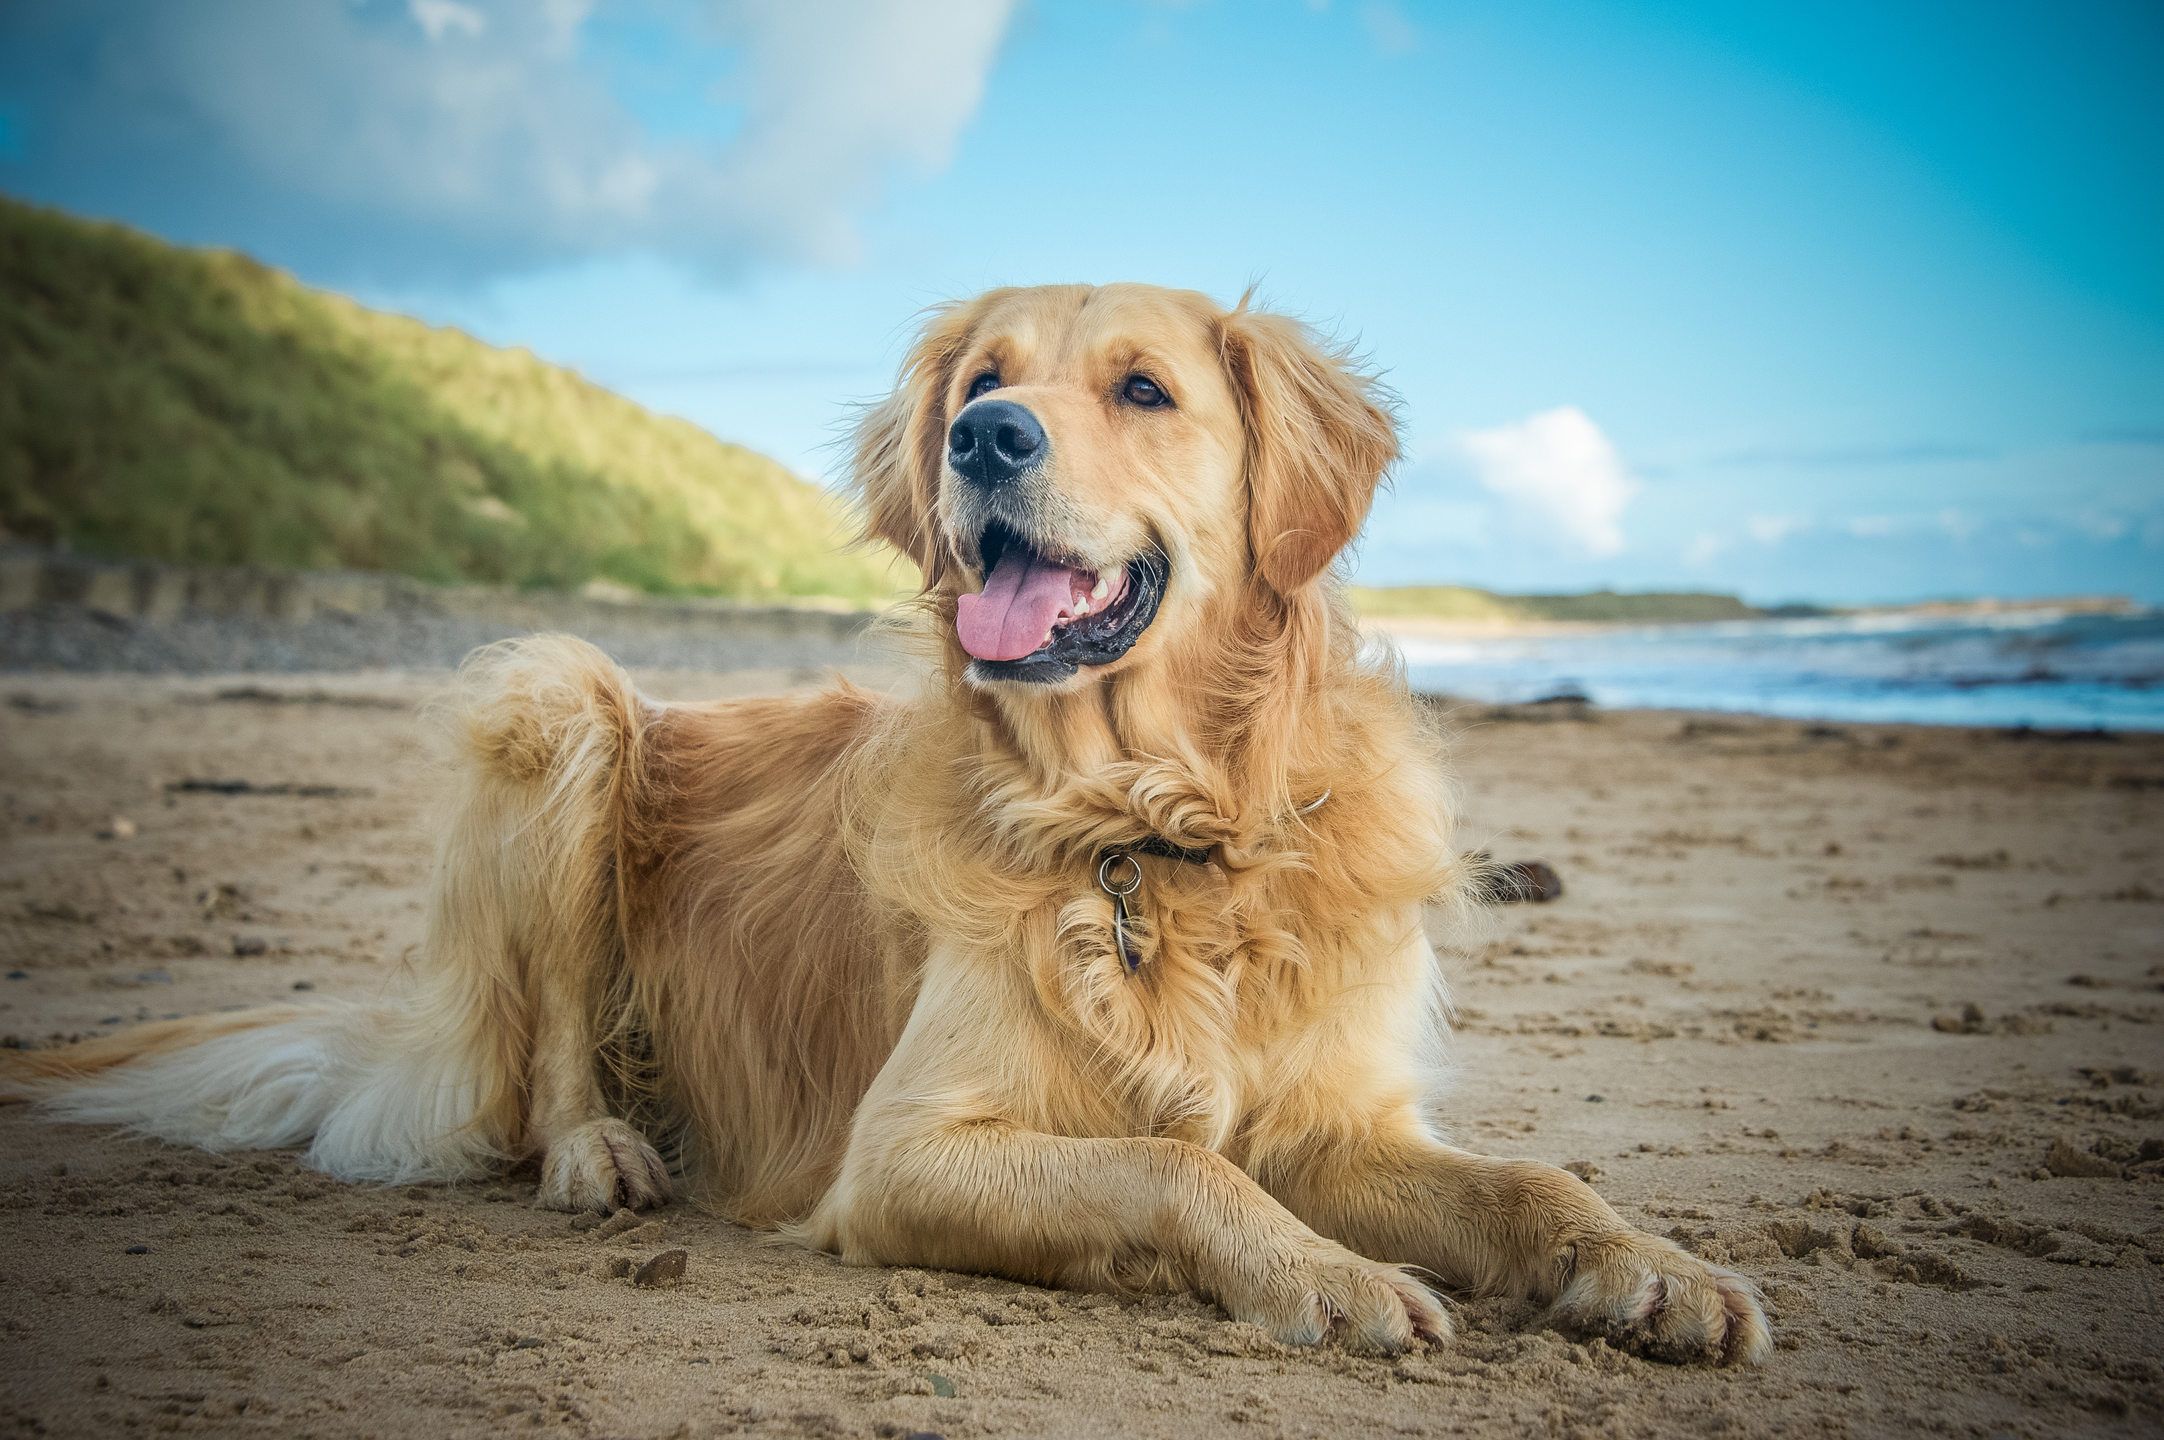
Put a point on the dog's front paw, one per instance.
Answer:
(603, 1165)
(1372, 1306)
(1652, 1296)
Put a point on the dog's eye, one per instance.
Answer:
(1143, 391)
(984, 384)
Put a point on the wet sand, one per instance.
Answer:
(1869, 1013)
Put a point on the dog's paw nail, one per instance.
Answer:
(604, 1165)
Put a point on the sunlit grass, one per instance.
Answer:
(197, 407)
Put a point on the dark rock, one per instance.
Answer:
(2096, 736)
(1520, 882)
(197, 785)
(663, 1270)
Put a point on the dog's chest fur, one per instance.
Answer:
(1238, 1000)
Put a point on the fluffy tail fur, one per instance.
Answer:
(433, 1084)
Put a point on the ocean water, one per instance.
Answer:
(2039, 667)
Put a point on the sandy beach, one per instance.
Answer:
(1870, 1013)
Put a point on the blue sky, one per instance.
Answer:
(1840, 302)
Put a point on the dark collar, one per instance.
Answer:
(1119, 875)
(1165, 849)
(1159, 846)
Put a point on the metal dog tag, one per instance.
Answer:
(1120, 883)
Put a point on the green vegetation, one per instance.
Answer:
(1459, 602)
(197, 407)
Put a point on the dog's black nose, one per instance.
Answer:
(992, 442)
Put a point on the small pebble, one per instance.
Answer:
(120, 827)
(304, 984)
(663, 1270)
(2065, 1160)
(528, 1342)
(138, 1249)
(18, 974)
(250, 945)
(1523, 882)
(1595, 1099)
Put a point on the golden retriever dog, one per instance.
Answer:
(1101, 963)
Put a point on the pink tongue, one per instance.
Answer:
(1022, 597)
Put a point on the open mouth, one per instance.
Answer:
(1042, 616)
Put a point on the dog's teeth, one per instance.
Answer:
(1097, 591)
(1082, 606)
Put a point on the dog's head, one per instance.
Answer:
(1083, 472)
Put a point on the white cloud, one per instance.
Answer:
(1704, 549)
(1773, 529)
(481, 136)
(1390, 29)
(2099, 525)
(1558, 468)
(1957, 525)
(438, 18)
(831, 100)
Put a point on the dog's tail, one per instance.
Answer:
(432, 1083)
(369, 1093)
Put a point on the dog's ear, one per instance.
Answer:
(1320, 433)
(900, 444)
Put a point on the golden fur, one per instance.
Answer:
(842, 958)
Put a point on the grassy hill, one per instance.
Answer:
(195, 406)
(1459, 602)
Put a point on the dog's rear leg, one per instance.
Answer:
(552, 741)
(590, 1160)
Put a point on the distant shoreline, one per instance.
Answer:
(1440, 627)
(61, 615)
(1416, 627)
(2045, 666)
(1460, 612)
